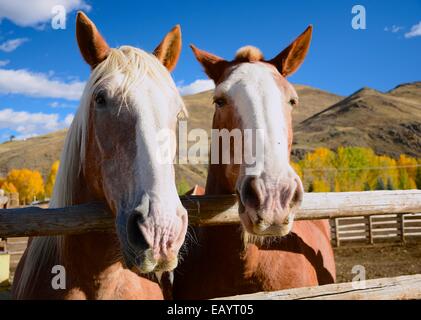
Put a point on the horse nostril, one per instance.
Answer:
(135, 236)
(297, 197)
(252, 194)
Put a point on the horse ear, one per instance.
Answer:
(92, 45)
(213, 65)
(289, 60)
(169, 49)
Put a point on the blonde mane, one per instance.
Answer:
(135, 65)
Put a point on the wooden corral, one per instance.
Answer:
(399, 288)
(376, 229)
(354, 216)
(208, 211)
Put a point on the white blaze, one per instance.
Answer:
(261, 106)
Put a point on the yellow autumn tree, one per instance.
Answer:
(387, 173)
(407, 172)
(357, 169)
(297, 169)
(318, 169)
(28, 183)
(8, 187)
(51, 179)
(418, 176)
(354, 165)
(319, 185)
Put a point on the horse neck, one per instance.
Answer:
(221, 180)
(221, 177)
(92, 252)
(217, 182)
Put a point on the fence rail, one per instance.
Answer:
(398, 288)
(386, 209)
(206, 211)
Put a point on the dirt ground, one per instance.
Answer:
(380, 261)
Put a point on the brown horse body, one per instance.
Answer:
(268, 255)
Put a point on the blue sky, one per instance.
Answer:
(42, 73)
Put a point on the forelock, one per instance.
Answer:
(249, 54)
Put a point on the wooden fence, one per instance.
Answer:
(373, 229)
(398, 288)
(207, 211)
(376, 208)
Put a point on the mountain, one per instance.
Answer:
(390, 123)
(311, 102)
(35, 153)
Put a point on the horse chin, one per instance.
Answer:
(145, 263)
(263, 229)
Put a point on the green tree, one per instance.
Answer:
(367, 186)
(418, 175)
(310, 187)
(380, 184)
(390, 184)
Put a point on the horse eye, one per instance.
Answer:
(100, 100)
(220, 102)
(293, 102)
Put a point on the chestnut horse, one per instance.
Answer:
(110, 156)
(272, 252)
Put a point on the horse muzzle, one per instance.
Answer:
(267, 206)
(153, 239)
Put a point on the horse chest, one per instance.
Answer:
(219, 268)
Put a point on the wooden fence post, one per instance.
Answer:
(338, 243)
(370, 229)
(402, 227)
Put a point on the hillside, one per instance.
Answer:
(390, 123)
(312, 101)
(35, 153)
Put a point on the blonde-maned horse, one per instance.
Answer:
(110, 156)
(272, 252)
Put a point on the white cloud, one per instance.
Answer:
(196, 87)
(34, 13)
(38, 85)
(4, 63)
(12, 45)
(61, 105)
(393, 29)
(28, 124)
(415, 31)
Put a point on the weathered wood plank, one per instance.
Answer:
(206, 211)
(34, 221)
(399, 288)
